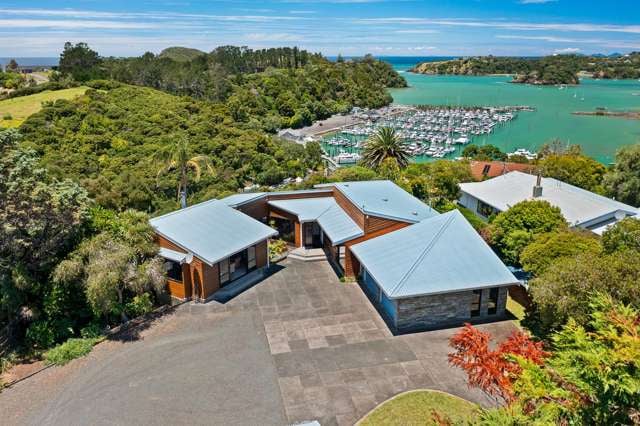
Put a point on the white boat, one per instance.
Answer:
(347, 158)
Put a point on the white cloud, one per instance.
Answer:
(419, 31)
(567, 50)
(66, 24)
(274, 37)
(520, 26)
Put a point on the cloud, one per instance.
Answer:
(498, 24)
(67, 24)
(274, 37)
(419, 31)
(567, 50)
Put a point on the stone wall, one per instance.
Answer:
(439, 310)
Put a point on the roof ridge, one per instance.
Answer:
(424, 253)
(211, 201)
(331, 205)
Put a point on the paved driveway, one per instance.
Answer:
(298, 346)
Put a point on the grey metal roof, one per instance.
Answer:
(338, 226)
(441, 254)
(211, 230)
(307, 209)
(384, 198)
(169, 254)
(577, 205)
(240, 198)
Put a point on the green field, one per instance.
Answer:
(21, 108)
(418, 407)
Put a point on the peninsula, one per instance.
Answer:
(548, 70)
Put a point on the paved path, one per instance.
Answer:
(298, 346)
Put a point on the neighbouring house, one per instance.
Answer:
(481, 170)
(581, 208)
(361, 228)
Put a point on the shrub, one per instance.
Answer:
(549, 247)
(91, 331)
(43, 334)
(7, 116)
(277, 248)
(624, 235)
(140, 305)
(69, 350)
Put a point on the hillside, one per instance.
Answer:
(558, 69)
(107, 139)
(180, 54)
(14, 111)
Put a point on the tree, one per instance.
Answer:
(574, 168)
(561, 290)
(80, 62)
(592, 375)
(624, 235)
(384, 144)
(116, 264)
(484, 153)
(437, 182)
(513, 229)
(493, 370)
(12, 66)
(355, 173)
(622, 182)
(178, 156)
(549, 247)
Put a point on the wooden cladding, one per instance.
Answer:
(163, 242)
(261, 254)
(352, 211)
(375, 224)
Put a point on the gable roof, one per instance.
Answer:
(481, 170)
(578, 205)
(211, 230)
(384, 198)
(334, 221)
(438, 255)
(236, 200)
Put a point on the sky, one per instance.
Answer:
(350, 27)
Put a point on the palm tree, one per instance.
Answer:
(384, 144)
(177, 156)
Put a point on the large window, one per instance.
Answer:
(174, 270)
(224, 271)
(493, 301)
(251, 257)
(476, 301)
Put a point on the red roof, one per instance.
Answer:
(488, 169)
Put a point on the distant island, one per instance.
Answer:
(548, 70)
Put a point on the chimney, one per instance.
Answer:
(537, 189)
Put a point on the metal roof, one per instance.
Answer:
(211, 230)
(307, 209)
(338, 226)
(169, 254)
(441, 254)
(240, 198)
(384, 198)
(577, 205)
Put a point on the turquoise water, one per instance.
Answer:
(598, 136)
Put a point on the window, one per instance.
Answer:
(476, 301)
(174, 270)
(485, 209)
(251, 257)
(224, 271)
(493, 301)
(485, 169)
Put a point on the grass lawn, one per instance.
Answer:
(22, 107)
(516, 309)
(416, 408)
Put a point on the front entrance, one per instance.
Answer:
(312, 235)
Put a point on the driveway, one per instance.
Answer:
(298, 346)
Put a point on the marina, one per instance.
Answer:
(428, 131)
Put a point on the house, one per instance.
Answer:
(581, 208)
(421, 269)
(481, 170)
(434, 273)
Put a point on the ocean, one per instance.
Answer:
(599, 137)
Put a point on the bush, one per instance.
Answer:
(624, 235)
(69, 350)
(7, 116)
(277, 248)
(549, 247)
(140, 305)
(43, 334)
(91, 331)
